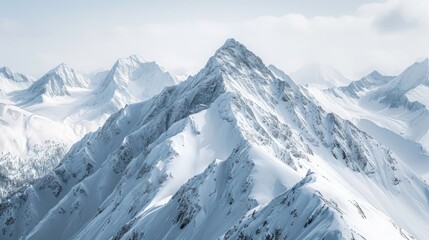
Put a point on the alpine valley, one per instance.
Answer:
(237, 151)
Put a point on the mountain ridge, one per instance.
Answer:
(128, 82)
(204, 157)
(42, 121)
(56, 83)
(394, 106)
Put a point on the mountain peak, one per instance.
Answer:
(231, 45)
(54, 83)
(5, 70)
(66, 75)
(130, 80)
(131, 60)
(62, 67)
(415, 75)
(7, 73)
(234, 56)
(375, 74)
(231, 42)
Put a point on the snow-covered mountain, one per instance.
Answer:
(410, 89)
(394, 110)
(357, 89)
(130, 80)
(41, 120)
(31, 146)
(235, 152)
(12, 81)
(320, 76)
(57, 82)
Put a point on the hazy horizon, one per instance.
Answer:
(355, 37)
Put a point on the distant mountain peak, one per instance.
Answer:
(360, 87)
(63, 74)
(130, 80)
(54, 83)
(375, 73)
(60, 69)
(132, 59)
(7, 73)
(62, 66)
(320, 75)
(415, 75)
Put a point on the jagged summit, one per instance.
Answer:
(409, 89)
(232, 53)
(11, 81)
(375, 74)
(415, 75)
(231, 42)
(63, 75)
(7, 73)
(233, 60)
(60, 67)
(362, 86)
(133, 59)
(225, 154)
(130, 80)
(57, 82)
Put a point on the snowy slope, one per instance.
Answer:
(35, 135)
(39, 123)
(57, 82)
(234, 151)
(130, 80)
(359, 88)
(11, 81)
(31, 146)
(412, 81)
(320, 76)
(388, 106)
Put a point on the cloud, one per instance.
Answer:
(398, 15)
(395, 21)
(387, 36)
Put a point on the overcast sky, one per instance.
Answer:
(354, 36)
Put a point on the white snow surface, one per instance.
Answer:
(393, 110)
(234, 152)
(130, 80)
(40, 120)
(12, 81)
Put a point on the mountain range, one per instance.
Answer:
(41, 119)
(392, 109)
(237, 151)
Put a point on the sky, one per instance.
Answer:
(354, 36)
